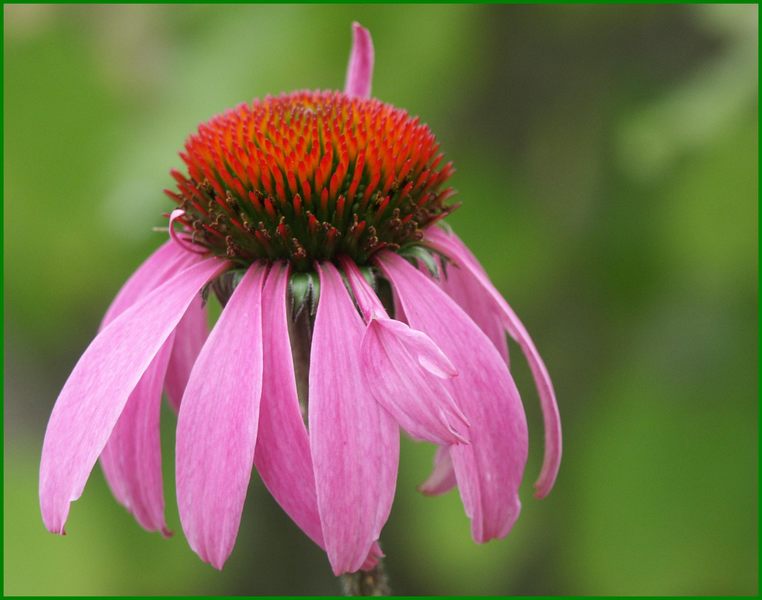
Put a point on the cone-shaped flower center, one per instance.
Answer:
(310, 175)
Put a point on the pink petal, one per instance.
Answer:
(282, 454)
(217, 424)
(417, 398)
(477, 281)
(94, 396)
(490, 468)
(406, 372)
(354, 443)
(131, 460)
(476, 305)
(374, 556)
(360, 69)
(185, 241)
(190, 336)
(163, 264)
(442, 478)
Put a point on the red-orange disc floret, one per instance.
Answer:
(309, 175)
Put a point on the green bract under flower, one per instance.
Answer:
(310, 175)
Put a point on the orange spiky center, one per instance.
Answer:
(309, 175)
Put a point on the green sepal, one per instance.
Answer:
(445, 226)
(305, 290)
(237, 276)
(425, 255)
(369, 274)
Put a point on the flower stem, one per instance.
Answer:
(367, 583)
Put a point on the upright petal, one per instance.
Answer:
(406, 372)
(131, 460)
(474, 277)
(190, 336)
(354, 442)
(442, 478)
(94, 396)
(218, 422)
(490, 468)
(282, 454)
(360, 69)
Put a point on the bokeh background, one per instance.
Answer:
(607, 166)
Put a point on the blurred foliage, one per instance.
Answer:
(607, 165)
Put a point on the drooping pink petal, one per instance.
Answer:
(405, 371)
(354, 442)
(490, 468)
(360, 69)
(218, 422)
(282, 454)
(369, 304)
(442, 478)
(388, 451)
(476, 305)
(131, 460)
(94, 396)
(190, 336)
(417, 396)
(164, 263)
(474, 277)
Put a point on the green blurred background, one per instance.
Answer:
(607, 165)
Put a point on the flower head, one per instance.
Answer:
(348, 314)
(310, 176)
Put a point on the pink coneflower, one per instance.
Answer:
(348, 313)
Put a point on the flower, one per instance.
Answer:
(313, 218)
